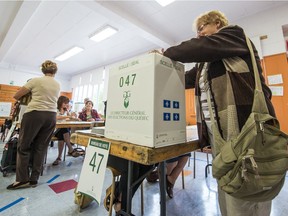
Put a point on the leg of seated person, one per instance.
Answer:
(66, 137)
(170, 167)
(60, 150)
(176, 168)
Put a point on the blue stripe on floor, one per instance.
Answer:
(69, 164)
(52, 179)
(11, 204)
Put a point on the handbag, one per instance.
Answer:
(253, 165)
(25, 99)
(15, 111)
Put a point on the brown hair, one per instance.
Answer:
(90, 102)
(61, 100)
(49, 67)
(211, 17)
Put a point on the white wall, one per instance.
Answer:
(90, 77)
(18, 77)
(267, 23)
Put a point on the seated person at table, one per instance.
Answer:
(85, 100)
(63, 134)
(89, 114)
(121, 165)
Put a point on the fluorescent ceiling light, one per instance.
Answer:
(69, 53)
(103, 33)
(164, 3)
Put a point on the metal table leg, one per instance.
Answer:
(129, 188)
(162, 182)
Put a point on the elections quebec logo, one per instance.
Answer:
(126, 96)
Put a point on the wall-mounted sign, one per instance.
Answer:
(275, 79)
(276, 90)
(5, 109)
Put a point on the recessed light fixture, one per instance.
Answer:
(164, 3)
(103, 33)
(69, 53)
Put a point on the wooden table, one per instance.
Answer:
(75, 124)
(143, 155)
(78, 124)
(140, 154)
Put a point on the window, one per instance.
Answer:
(90, 85)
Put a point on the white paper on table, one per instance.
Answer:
(275, 79)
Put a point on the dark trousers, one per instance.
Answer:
(35, 134)
(122, 165)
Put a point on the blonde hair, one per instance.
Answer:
(210, 17)
(49, 67)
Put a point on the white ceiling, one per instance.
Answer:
(33, 31)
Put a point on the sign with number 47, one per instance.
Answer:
(94, 168)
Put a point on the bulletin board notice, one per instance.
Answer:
(5, 109)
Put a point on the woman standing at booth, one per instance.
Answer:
(224, 72)
(37, 125)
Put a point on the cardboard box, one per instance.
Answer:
(146, 101)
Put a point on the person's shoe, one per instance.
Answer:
(169, 188)
(74, 153)
(122, 213)
(56, 162)
(153, 176)
(107, 198)
(33, 183)
(18, 185)
(117, 208)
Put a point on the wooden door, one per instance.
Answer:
(190, 107)
(274, 65)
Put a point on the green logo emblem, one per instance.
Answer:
(126, 96)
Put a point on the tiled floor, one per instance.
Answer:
(199, 198)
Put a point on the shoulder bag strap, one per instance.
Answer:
(259, 103)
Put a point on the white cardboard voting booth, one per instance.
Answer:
(146, 101)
